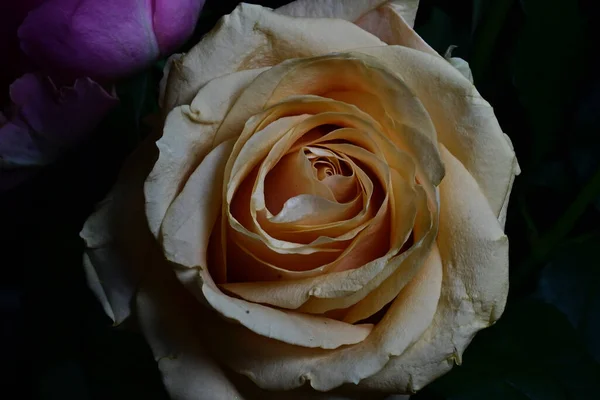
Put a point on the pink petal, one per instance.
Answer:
(174, 21)
(100, 39)
(47, 120)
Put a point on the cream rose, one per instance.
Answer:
(322, 213)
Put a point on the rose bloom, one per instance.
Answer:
(321, 216)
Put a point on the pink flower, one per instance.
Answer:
(106, 39)
(12, 13)
(44, 121)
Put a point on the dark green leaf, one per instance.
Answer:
(442, 27)
(138, 96)
(63, 381)
(550, 61)
(533, 352)
(491, 19)
(571, 282)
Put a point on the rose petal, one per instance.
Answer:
(188, 135)
(361, 188)
(461, 65)
(389, 289)
(162, 85)
(175, 326)
(393, 22)
(516, 170)
(254, 37)
(117, 254)
(395, 270)
(464, 121)
(288, 327)
(276, 366)
(474, 288)
(191, 217)
(314, 210)
(298, 167)
(350, 10)
(188, 370)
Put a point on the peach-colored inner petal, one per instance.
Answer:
(326, 183)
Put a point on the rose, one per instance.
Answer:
(106, 39)
(326, 208)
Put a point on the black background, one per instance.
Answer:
(533, 60)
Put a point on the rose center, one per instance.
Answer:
(323, 168)
(326, 163)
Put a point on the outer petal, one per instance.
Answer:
(101, 39)
(162, 86)
(175, 326)
(461, 65)
(274, 365)
(516, 170)
(254, 37)
(350, 10)
(191, 217)
(116, 236)
(178, 339)
(393, 22)
(474, 288)
(188, 135)
(174, 22)
(464, 121)
(123, 263)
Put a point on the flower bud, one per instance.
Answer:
(44, 121)
(106, 39)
